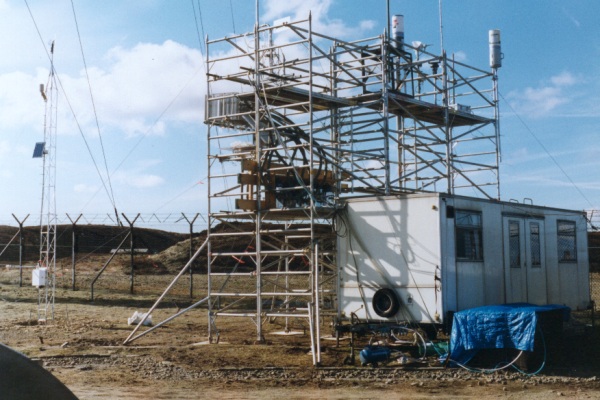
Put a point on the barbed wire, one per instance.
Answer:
(593, 217)
(167, 221)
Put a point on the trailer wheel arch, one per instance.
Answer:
(386, 303)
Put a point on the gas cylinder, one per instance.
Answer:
(374, 354)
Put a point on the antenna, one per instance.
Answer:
(257, 12)
(441, 29)
(44, 274)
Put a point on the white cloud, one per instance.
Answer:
(367, 25)
(5, 150)
(130, 95)
(563, 79)
(572, 18)
(85, 188)
(540, 101)
(460, 56)
(20, 101)
(321, 20)
(138, 180)
(4, 147)
(141, 83)
(140, 177)
(146, 181)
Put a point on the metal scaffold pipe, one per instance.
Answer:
(162, 296)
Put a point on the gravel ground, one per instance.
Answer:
(83, 348)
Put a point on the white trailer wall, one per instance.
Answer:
(408, 244)
(469, 284)
(396, 244)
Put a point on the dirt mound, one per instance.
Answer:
(89, 239)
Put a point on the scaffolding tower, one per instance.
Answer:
(297, 121)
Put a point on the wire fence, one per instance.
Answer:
(172, 222)
(114, 281)
(593, 217)
(122, 257)
(145, 264)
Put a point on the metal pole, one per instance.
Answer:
(131, 243)
(173, 282)
(209, 205)
(317, 313)
(311, 326)
(441, 27)
(20, 247)
(386, 116)
(313, 312)
(497, 129)
(447, 129)
(388, 24)
(191, 223)
(73, 251)
(169, 319)
(258, 158)
(106, 265)
(20, 255)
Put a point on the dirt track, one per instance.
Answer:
(82, 346)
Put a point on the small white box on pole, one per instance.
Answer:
(38, 277)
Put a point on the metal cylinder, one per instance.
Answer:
(374, 354)
(398, 31)
(495, 49)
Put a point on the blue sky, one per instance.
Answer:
(145, 67)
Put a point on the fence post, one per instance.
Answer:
(191, 223)
(131, 248)
(20, 247)
(73, 247)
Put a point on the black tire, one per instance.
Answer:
(386, 303)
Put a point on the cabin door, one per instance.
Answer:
(524, 260)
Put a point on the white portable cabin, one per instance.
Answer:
(417, 257)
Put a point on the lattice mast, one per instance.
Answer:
(48, 217)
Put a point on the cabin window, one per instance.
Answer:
(535, 244)
(514, 244)
(566, 242)
(469, 245)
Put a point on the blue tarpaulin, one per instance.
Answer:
(496, 327)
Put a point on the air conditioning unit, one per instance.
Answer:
(461, 108)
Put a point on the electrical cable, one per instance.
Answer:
(163, 112)
(544, 359)
(488, 370)
(100, 246)
(512, 363)
(201, 24)
(111, 194)
(232, 18)
(358, 282)
(284, 146)
(9, 242)
(87, 145)
(546, 151)
(144, 135)
(200, 182)
(80, 129)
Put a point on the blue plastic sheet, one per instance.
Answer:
(495, 327)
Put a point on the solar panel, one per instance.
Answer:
(38, 151)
